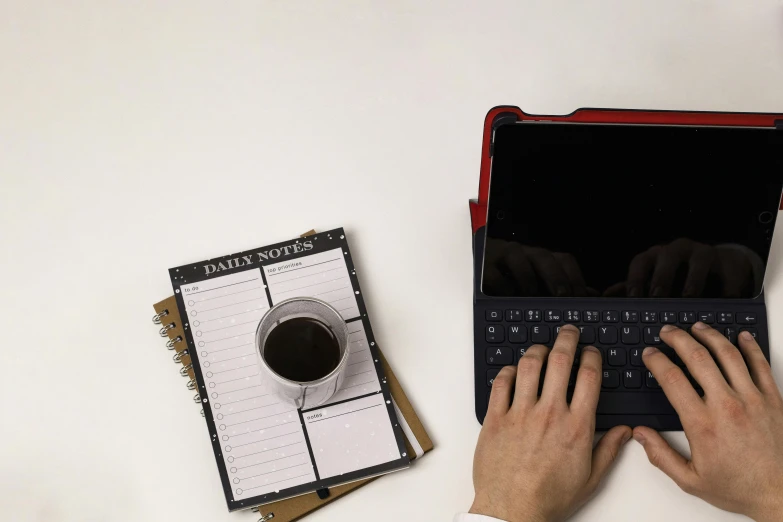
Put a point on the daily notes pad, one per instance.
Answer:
(267, 450)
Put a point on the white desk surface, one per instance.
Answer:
(135, 136)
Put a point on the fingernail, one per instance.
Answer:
(627, 436)
(638, 437)
(746, 336)
(650, 350)
(633, 292)
(699, 326)
(668, 328)
(657, 292)
(594, 349)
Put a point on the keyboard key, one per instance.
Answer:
(513, 316)
(607, 335)
(668, 317)
(615, 356)
(652, 382)
(611, 379)
(573, 316)
(630, 317)
(632, 379)
(592, 316)
(494, 333)
(707, 317)
(687, 317)
(500, 355)
(587, 335)
(611, 316)
(521, 353)
(494, 316)
(746, 318)
(539, 334)
(517, 334)
(630, 335)
(534, 316)
(731, 334)
(491, 374)
(752, 331)
(652, 335)
(649, 317)
(635, 354)
(553, 316)
(725, 317)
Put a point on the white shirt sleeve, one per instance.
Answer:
(467, 517)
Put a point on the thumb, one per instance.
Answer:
(665, 458)
(606, 452)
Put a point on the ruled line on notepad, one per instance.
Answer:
(239, 379)
(262, 440)
(270, 460)
(346, 413)
(277, 448)
(224, 286)
(308, 286)
(240, 400)
(274, 471)
(226, 295)
(229, 326)
(224, 349)
(277, 481)
(330, 291)
(230, 337)
(251, 409)
(232, 315)
(232, 304)
(303, 267)
(258, 418)
(234, 369)
(308, 275)
(354, 386)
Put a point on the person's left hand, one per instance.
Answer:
(535, 460)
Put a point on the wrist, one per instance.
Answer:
(502, 511)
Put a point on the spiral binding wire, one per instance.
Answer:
(184, 370)
(157, 317)
(197, 398)
(164, 331)
(179, 355)
(192, 384)
(171, 342)
(267, 517)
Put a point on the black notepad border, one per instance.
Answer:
(329, 240)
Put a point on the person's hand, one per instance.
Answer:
(656, 271)
(514, 269)
(535, 460)
(735, 431)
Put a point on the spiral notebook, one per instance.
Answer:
(359, 435)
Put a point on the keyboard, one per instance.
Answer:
(620, 335)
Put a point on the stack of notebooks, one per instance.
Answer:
(273, 458)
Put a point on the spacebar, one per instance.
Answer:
(634, 403)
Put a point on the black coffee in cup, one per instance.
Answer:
(302, 349)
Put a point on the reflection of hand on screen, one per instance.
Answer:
(513, 269)
(659, 271)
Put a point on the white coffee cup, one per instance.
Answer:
(311, 393)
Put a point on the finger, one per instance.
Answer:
(549, 271)
(529, 376)
(731, 362)
(699, 266)
(559, 364)
(588, 383)
(758, 365)
(697, 358)
(605, 453)
(669, 260)
(683, 398)
(572, 271)
(639, 272)
(500, 398)
(665, 458)
(521, 270)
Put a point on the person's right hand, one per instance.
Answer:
(735, 431)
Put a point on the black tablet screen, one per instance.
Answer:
(631, 211)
